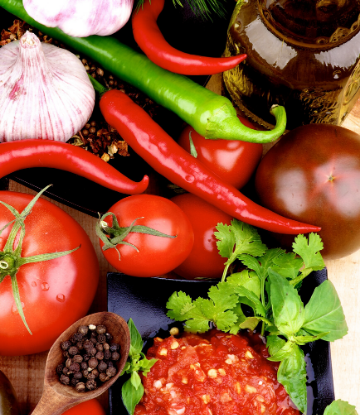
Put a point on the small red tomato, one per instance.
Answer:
(233, 161)
(204, 260)
(90, 407)
(150, 255)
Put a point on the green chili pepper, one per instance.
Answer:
(211, 115)
(8, 402)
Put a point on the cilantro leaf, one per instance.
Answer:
(246, 279)
(261, 265)
(287, 265)
(309, 251)
(324, 313)
(178, 305)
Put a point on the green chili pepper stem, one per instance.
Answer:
(212, 116)
(99, 88)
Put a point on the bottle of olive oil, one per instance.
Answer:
(302, 54)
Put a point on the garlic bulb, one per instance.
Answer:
(45, 91)
(81, 18)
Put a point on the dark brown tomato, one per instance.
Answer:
(313, 175)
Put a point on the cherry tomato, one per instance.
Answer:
(204, 260)
(55, 293)
(313, 175)
(233, 161)
(154, 255)
(90, 407)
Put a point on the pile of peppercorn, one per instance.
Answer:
(90, 357)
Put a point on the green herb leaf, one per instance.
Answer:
(178, 305)
(274, 344)
(309, 249)
(292, 375)
(324, 313)
(261, 265)
(287, 307)
(301, 340)
(246, 279)
(145, 365)
(287, 265)
(135, 380)
(131, 396)
(340, 407)
(136, 342)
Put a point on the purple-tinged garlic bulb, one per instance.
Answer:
(45, 92)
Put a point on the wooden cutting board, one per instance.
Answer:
(26, 372)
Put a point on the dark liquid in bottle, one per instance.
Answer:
(303, 54)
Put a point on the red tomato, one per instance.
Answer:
(54, 293)
(90, 407)
(204, 260)
(156, 255)
(233, 161)
(313, 175)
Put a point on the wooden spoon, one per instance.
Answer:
(56, 397)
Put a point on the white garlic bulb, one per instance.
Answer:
(45, 92)
(81, 18)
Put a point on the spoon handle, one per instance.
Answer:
(52, 403)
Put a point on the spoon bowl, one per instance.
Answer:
(57, 397)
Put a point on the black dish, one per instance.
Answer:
(185, 30)
(144, 300)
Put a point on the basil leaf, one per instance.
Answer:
(274, 344)
(301, 340)
(131, 396)
(324, 313)
(136, 342)
(288, 309)
(340, 407)
(292, 375)
(135, 379)
(283, 353)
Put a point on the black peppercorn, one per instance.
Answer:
(78, 375)
(83, 330)
(66, 344)
(102, 366)
(83, 366)
(65, 371)
(103, 377)
(74, 367)
(99, 347)
(101, 338)
(115, 356)
(80, 387)
(92, 363)
(114, 347)
(64, 379)
(73, 350)
(109, 337)
(101, 329)
(76, 337)
(99, 355)
(111, 371)
(92, 352)
(87, 344)
(91, 384)
(79, 345)
(86, 357)
(77, 358)
(106, 346)
(60, 368)
(74, 381)
(107, 355)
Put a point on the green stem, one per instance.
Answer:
(99, 88)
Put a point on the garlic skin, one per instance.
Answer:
(45, 92)
(81, 18)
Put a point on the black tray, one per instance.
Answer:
(144, 299)
(185, 30)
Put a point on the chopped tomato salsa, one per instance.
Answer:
(213, 374)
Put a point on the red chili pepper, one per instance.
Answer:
(161, 152)
(17, 155)
(151, 41)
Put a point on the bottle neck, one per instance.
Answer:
(317, 22)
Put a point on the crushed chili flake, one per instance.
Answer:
(96, 136)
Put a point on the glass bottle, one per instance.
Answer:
(303, 54)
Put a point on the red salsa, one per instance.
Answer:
(213, 374)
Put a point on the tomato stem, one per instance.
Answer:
(11, 259)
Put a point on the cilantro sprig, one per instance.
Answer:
(269, 286)
(133, 390)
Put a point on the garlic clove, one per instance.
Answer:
(81, 18)
(45, 92)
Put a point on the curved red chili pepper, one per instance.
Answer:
(151, 41)
(17, 155)
(161, 152)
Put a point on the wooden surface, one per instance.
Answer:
(27, 372)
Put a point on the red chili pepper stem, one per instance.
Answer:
(18, 155)
(161, 152)
(151, 41)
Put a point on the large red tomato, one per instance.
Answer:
(204, 260)
(233, 161)
(154, 255)
(90, 407)
(313, 175)
(55, 293)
